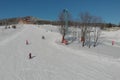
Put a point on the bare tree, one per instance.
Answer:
(85, 21)
(98, 23)
(89, 25)
(64, 19)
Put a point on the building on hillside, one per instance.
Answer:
(21, 21)
(26, 20)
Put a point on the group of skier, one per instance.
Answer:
(27, 43)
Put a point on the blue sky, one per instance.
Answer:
(108, 10)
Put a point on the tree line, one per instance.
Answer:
(34, 20)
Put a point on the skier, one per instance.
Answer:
(43, 37)
(27, 42)
(30, 56)
(113, 42)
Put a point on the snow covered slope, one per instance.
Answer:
(50, 61)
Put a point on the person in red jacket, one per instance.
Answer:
(113, 42)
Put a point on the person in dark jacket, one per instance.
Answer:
(30, 56)
(43, 37)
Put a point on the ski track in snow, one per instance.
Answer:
(51, 61)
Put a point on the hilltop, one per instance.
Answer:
(25, 20)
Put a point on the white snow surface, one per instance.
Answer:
(52, 60)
